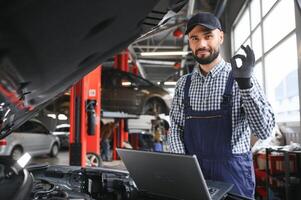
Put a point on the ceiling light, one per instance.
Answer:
(165, 53)
(53, 116)
(62, 117)
(126, 83)
(156, 62)
(170, 83)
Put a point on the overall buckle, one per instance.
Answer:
(227, 99)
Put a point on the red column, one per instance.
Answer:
(92, 90)
(121, 63)
(83, 141)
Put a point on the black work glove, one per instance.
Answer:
(243, 74)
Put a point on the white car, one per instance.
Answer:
(32, 137)
(62, 131)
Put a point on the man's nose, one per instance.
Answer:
(202, 43)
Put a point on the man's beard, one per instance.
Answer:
(206, 60)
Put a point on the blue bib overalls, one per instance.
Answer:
(207, 134)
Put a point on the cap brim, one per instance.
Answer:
(201, 24)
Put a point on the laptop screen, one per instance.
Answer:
(171, 175)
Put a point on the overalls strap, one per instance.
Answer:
(227, 96)
(186, 92)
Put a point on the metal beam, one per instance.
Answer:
(133, 57)
(162, 40)
(190, 9)
(159, 30)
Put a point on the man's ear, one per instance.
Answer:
(221, 37)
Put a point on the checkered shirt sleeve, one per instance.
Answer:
(177, 119)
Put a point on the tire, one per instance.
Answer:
(54, 150)
(93, 160)
(16, 153)
(153, 107)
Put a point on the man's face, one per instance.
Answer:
(205, 43)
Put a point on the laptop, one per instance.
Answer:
(172, 176)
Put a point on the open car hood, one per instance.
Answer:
(48, 45)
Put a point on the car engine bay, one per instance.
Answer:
(57, 182)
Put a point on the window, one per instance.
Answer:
(257, 43)
(108, 79)
(255, 13)
(242, 30)
(278, 23)
(281, 79)
(63, 129)
(258, 73)
(39, 128)
(139, 81)
(115, 78)
(32, 127)
(267, 5)
(273, 38)
(240, 51)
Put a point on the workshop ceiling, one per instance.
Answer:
(166, 38)
(169, 38)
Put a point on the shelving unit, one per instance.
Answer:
(283, 174)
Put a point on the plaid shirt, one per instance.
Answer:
(251, 112)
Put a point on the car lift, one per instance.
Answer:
(85, 117)
(118, 132)
(121, 135)
(85, 100)
(121, 63)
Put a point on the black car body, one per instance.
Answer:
(47, 46)
(126, 92)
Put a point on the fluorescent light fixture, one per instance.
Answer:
(53, 116)
(62, 117)
(165, 53)
(170, 83)
(126, 83)
(157, 62)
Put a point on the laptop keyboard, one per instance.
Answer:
(212, 190)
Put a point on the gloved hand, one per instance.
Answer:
(243, 74)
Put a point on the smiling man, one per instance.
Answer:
(216, 108)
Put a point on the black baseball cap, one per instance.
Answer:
(204, 19)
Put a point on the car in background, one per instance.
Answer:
(126, 92)
(31, 137)
(62, 131)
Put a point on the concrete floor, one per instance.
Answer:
(63, 159)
